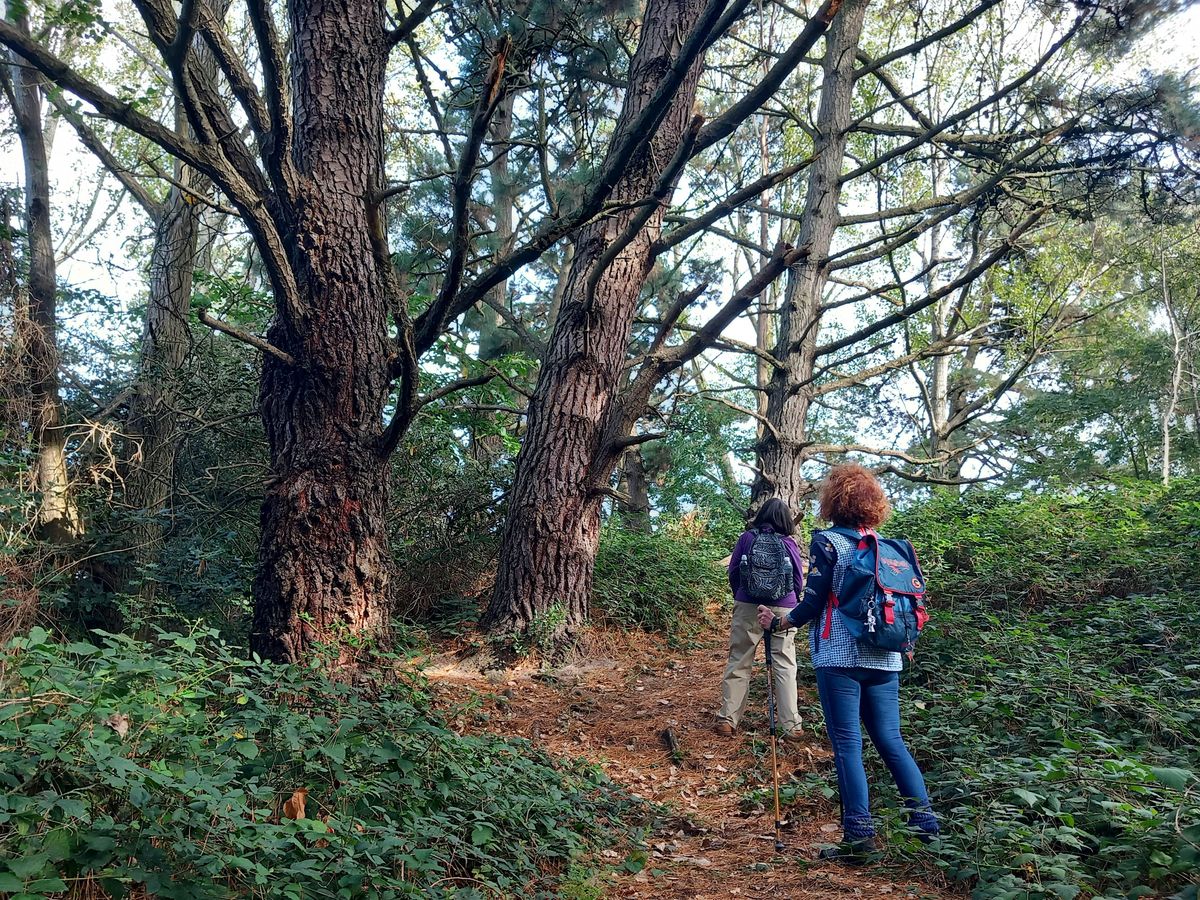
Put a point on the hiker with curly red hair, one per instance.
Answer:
(858, 683)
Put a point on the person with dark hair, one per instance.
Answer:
(856, 683)
(765, 567)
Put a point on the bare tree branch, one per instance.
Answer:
(120, 111)
(434, 319)
(967, 277)
(405, 29)
(246, 338)
(89, 139)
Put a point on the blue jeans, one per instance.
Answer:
(872, 696)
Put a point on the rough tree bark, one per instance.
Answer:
(57, 516)
(323, 559)
(553, 526)
(781, 450)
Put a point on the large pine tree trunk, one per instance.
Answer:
(323, 559)
(553, 525)
(781, 453)
(57, 515)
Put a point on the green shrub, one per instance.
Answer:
(659, 581)
(1054, 706)
(167, 765)
(1058, 548)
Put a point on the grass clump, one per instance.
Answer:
(172, 767)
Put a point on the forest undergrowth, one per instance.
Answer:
(1054, 708)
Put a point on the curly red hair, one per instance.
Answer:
(851, 496)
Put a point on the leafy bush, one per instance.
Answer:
(1058, 548)
(1054, 707)
(660, 581)
(174, 765)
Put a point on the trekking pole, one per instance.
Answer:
(774, 758)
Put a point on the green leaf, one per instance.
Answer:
(57, 844)
(481, 835)
(1031, 799)
(10, 883)
(248, 749)
(28, 866)
(1160, 859)
(1172, 778)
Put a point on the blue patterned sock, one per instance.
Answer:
(858, 828)
(924, 820)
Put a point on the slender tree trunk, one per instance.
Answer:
(553, 526)
(727, 477)
(635, 511)
(781, 452)
(152, 423)
(58, 517)
(323, 567)
(492, 342)
(14, 382)
(764, 330)
(1177, 354)
(494, 338)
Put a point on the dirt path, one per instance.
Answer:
(613, 709)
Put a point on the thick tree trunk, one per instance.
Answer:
(323, 566)
(553, 526)
(781, 452)
(57, 515)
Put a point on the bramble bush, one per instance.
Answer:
(168, 766)
(1055, 705)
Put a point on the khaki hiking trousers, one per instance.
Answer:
(744, 637)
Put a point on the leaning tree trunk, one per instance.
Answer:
(553, 527)
(57, 515)
(781, 451)
(323, 567)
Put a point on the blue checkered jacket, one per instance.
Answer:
(830, 643)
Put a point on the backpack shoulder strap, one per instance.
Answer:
(843, 546)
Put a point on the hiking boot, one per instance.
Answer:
(724, 729)
(795, 738)
(851, 853)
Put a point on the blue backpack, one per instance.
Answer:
(882, 596)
